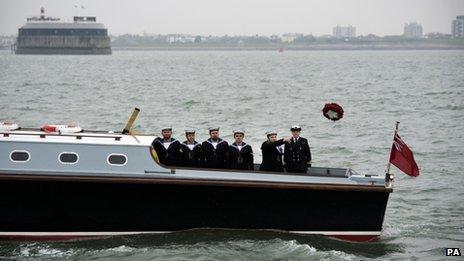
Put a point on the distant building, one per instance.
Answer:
(344, 31)
(290, 38)
(437, 35)
(275, 38)
(6, 41)
(457, 27)
(413, 30)
(49, 35)
(180, 38)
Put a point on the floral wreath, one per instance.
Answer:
(333, 111)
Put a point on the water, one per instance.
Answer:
(257, 91)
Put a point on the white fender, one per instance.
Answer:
(8, 126)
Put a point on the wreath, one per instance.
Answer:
(333, 111)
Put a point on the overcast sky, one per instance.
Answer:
(241, 17)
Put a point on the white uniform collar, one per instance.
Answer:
(166, 144)
(239, 147)
(217, 141)
(190, 145)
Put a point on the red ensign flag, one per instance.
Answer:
(402, 157)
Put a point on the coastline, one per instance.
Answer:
(325, 47)
(293, 47)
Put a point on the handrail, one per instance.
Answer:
(86, 131)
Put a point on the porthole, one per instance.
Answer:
(20, 156)
(117, 159)
(68, 158)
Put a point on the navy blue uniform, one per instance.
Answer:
(191, 157)
(215, 158)
(169, 156)
(272, 156)
(240, 158)
(297, 155)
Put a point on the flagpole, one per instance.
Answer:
(394, 135)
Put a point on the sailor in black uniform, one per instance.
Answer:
(272, 151)
(240, 154)
(167, 148)
(215, 151)
(297, 154)
(190, 152)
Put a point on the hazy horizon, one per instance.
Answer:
(240, 17)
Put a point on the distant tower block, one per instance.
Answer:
(413, 30)
(457, 27)
(42, 13)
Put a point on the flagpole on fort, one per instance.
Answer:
(394, 135)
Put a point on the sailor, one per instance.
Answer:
(167, 148)
(240, 154)
(215, 150)
(297, 154)
(191, 152)
(272, 151)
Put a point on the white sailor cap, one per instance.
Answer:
(188, 131)
(165, 128)
(272, 132)
(239, 131)
(213, 129)
(295, 128)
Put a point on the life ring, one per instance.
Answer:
(61, 128)
(8, 126)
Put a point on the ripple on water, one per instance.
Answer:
(275, 249)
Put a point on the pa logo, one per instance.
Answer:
(453, 252)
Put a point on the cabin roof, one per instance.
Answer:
(104, 138)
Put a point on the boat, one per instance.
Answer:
(50, 35)
(66, 185)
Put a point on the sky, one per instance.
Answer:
(241, 17)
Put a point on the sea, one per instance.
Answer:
(259, 91)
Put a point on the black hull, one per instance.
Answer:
(105, 206)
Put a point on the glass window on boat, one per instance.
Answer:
(20, 156)
(68, 158)
(117, 159)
